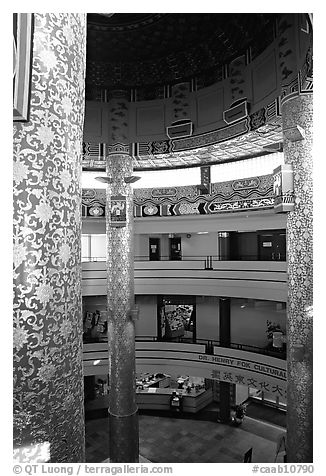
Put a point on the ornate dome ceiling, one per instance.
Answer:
(140, 49)
(149, 51)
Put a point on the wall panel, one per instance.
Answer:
(150, 120)
(264, 77)
(210, 107)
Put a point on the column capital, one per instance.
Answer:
(119, 149)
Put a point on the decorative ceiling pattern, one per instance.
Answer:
(145, 49)
(266, 140)
(257, 135)
(149, 52)
(255, 193)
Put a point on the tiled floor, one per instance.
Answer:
(176, 440)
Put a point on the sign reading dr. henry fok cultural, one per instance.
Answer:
(117, 211)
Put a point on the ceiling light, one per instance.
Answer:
(131, 178)
(104, 179)
(202, 232)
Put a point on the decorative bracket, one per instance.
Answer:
(104, 179)
(294, 134)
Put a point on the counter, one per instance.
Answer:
(159, 399)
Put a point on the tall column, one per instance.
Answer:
(48, 368)
(123, 418)
(225, 340)
(297, 121)
(297, 113)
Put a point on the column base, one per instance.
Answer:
(123, 438)
(142, 459)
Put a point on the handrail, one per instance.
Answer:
(86, 259)
(279, 354)
(206, 258)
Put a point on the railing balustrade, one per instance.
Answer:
(207, 259)
(278, 353)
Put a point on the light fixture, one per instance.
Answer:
(202, 232)
(104, 179)
(299, 352)
(277, 340)
(131, 178)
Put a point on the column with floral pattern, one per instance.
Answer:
(123, 416)
(48, 372)
(298, 111)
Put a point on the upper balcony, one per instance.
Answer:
(266, 280)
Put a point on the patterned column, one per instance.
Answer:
(225, 340)
(120, 265)
(297, 116)
(48, 371)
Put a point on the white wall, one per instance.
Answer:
(237, 221)
(248, 324)
(199, 245)
(98, 246)
(96, 226)
(146, 325)
(196, 245)
(85, 248)
(258, 220)
(141, 243)
(207, 317)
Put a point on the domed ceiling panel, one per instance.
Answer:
(139, 49)
(150, 52)
(264, 140)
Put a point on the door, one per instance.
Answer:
(266, 252)
(272, 246)
(280, 246)
(175, 248)
(154, 249)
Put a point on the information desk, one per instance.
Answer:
(161, 382)
(159, 399)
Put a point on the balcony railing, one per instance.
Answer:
(209, 259)
(209, 345)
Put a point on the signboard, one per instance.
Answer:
(118, 211)
(163, 192)
(257, 371)
(283, 189)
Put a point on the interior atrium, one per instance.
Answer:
(162, 237)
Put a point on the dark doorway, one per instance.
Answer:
(154, 249)
(175, 248)
(272, 246)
